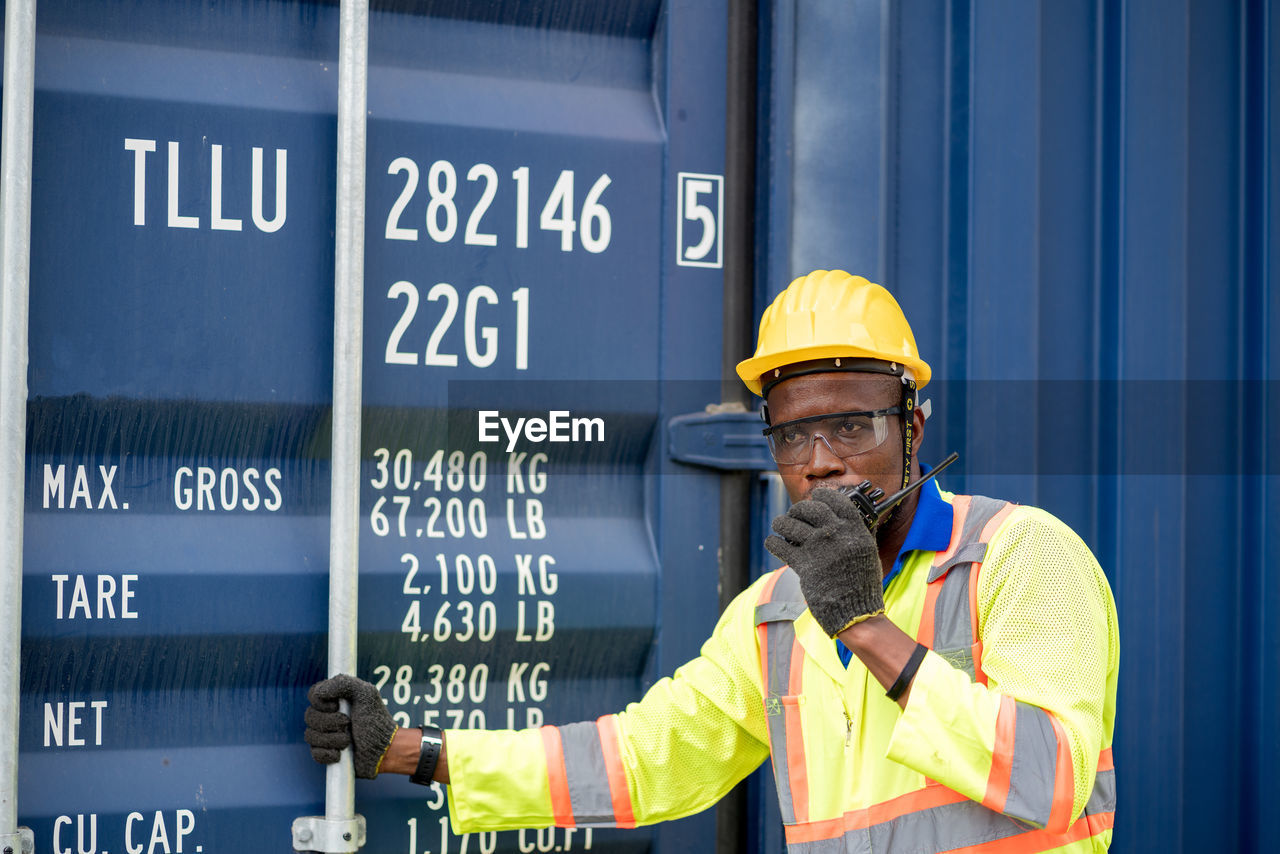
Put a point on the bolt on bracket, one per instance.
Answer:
(23, 841)
(331, 836)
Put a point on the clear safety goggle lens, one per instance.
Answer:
(846, 434)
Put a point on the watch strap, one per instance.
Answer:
(908, 672)
(428, 756)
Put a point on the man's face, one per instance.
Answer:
(819, 394)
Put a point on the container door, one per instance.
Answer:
(542, 292)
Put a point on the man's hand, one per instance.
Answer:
(368, 730)
(826, 542)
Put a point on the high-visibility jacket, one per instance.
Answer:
(1005, 743)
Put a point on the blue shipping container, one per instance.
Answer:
(1074, 202)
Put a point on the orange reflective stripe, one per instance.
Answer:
(988, 531)
(795, 685)
(1039, 840)
(959, 509)
(978, 675)
(924, 634)
(782, 675)
(1097, 822)
(973, 597)
(766, 595)
(619, 790)
(814, 831)
(797, 768)
(993, 525)
(927, 818)
(1002, 755)
(762, 632)
(762, 640)
(917, 801)
(1005, 837)
(1064, 784)
(557, 778)
(922, 799)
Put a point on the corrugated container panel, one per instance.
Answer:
(1075, 203)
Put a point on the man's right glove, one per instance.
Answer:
(368, 730)
(825, 540)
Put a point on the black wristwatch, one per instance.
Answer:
(432, 742)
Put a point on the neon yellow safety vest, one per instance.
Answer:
(1005, 744)
(1030, 792)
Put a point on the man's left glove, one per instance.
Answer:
(368, 730)
(825, 540)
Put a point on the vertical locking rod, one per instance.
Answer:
(348, 325)
(341, 830)
(15, 261)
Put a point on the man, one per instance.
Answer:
(947, 682)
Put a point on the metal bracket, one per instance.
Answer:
(21, 842)
(331, 836)
(729, 440)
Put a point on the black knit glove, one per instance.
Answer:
(368, 729)
(826, 541)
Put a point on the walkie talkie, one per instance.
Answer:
(868, 499)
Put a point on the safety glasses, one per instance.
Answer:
(847, 434)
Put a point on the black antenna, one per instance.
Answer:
(867, 499)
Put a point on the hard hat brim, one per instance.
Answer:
(751, 371)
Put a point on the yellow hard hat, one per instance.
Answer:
(833, 315)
